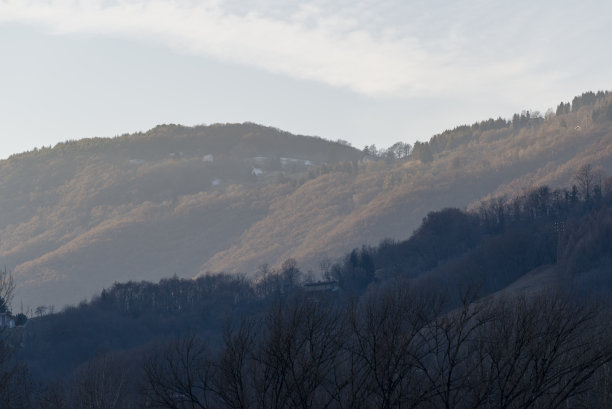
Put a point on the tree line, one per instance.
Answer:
(398, 346)
(489, 247)
(537, 227)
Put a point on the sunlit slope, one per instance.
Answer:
(80, 215)
(338, 211)
(181, 200)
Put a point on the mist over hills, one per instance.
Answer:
(179, 200)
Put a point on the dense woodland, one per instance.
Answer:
(498, 301)
(431, 322)
(395, 347)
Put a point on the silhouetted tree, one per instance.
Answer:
(15, 382)
(586, 178)
(100, 384)
(179, 375)
(387, 345)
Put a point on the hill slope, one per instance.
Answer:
(340, 210)
(84, 214)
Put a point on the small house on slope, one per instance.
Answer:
(7, 320)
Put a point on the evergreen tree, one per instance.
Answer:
(422, 152)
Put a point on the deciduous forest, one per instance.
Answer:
(81, 215)
(237, 266)
(503, 306)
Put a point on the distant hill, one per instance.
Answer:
(542, 241)
(177, 200)
(83, 214)
(390, 198)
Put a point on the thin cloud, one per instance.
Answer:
(314, 41)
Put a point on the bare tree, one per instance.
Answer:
(453, 365)
(542, 351)
(7, 288)
(397, 347)
(587, 178)
(235, 367)
(388, 345)
(178, 376)
(296, 354)
(15, 383)
(100, 384)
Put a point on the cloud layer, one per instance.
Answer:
(382, 48)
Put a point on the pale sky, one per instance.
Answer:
(369, 71)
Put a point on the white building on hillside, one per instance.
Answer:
(7, 320)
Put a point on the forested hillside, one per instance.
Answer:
(463, 289)
(231, 198)
(86, 213)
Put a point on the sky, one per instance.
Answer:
(365, 71)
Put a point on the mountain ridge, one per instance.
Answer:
(187, 200)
